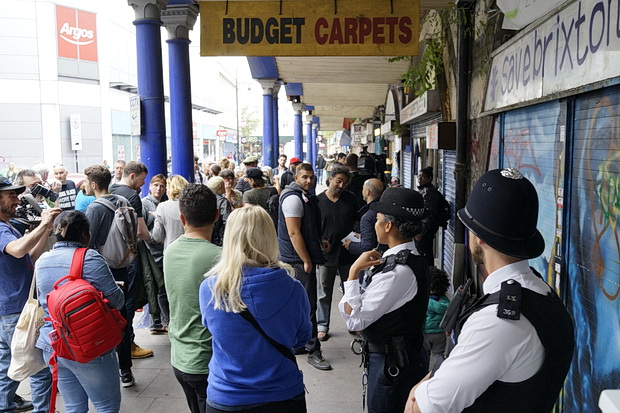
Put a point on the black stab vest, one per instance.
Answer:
(407, 320)
(539, 393)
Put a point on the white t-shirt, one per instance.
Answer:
(489, 349)
(292, 207)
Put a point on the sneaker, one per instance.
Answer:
(22, 405)
(159, 331)
(138, 352)
(317, 361)
(127, 380)
(323, 336)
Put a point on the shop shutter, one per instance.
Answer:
(407, 167)
(592, 258)
(532, 144)
(418, 130)
(449, 191)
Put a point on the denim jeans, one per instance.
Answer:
(97, 380)
(325, 290)
(40, 383)
(308, 280)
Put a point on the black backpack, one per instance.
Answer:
(273, 205)
(445, 212)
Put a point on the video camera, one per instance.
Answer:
(29, 211)
(38, 189)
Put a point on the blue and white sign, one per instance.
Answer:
(577, 46)
(134, 112)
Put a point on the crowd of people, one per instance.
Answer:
(253, 256)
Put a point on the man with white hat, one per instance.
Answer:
(17, 257)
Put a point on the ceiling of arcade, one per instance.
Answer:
(347, 86)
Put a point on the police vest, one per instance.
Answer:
(554, 327)
(407, 320)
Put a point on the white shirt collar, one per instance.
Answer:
(405, 246)
(495, 279)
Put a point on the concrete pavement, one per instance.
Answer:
(157, 390)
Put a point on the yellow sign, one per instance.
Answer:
(309, 28)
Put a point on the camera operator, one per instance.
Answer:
(17, 254)
(27, 214)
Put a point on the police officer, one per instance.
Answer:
(389, 307)
(515, 344)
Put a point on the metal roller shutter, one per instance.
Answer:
(448, 189)
(593, 248)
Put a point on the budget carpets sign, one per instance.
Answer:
(76, 34)
(309, 28)
(573, 47)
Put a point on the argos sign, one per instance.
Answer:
(76, 34)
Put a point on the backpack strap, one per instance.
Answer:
(78, 263)
(53, 362)
(107, 203)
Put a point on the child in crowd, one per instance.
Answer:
(438, 302)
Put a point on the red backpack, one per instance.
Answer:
(85, 326)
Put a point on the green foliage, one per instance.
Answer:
(248, 122)
(422, 76)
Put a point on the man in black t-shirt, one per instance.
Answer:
(68, 191)
(338, 215)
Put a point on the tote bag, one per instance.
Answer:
(26, 359)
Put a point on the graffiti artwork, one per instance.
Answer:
(594, 250)
(532, 144)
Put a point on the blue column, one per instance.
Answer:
(315, 129)
(267, 85)
(276, 126)
(150, 86)
(298, 134)
(308, 136)
(179, 19)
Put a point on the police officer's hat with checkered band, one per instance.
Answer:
(502, 210)
(402, 203)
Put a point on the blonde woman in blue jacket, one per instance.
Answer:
(246, 372)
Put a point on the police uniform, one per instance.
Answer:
(389, 307)
(513, 345)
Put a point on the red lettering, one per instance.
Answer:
(391, 22)
(365, 25)
(377, 30)
(350, 30)
(320, 38)
(336, 32)
(403, 25)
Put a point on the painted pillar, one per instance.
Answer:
(315, 129)
(276, 126)
(309, 136)
(267, 85)
(150, 86)
(298, 131)
(179, 19)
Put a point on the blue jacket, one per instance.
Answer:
(56, 263)
(310, 227)
(366, 230)
(245, 368)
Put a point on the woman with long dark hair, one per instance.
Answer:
(97, 380)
